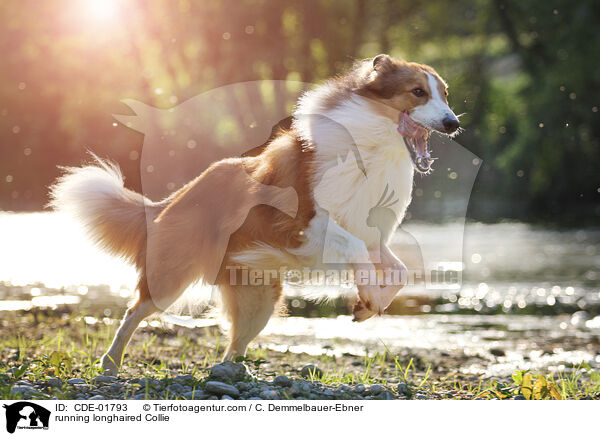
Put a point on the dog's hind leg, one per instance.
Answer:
(111, 361)
(248, 309)
(157, 291)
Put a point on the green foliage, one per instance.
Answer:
(536, 387)
(61, 362)
(526, 75)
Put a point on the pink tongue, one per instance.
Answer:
(407, 127)
(416, 137)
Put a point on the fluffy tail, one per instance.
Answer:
(113, 216)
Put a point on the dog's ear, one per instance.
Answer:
(382, 63)
(375, 80)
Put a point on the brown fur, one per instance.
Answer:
(214, 204)
(181, 240)
(386, 82)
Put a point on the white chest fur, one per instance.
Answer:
(347, 189)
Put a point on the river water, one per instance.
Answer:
(532, 292)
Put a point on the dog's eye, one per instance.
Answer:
(419, 92)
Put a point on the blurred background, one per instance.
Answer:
(526, 75)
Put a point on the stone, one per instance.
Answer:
(76, 381)
(183, 379)
(23, 390)
(271, 394)
(226, 397)
(54, 382)
(149, 381)
(194, 395)
(383, 395)
(96, 397)
(282, 381)
(116, 386)
(403, 389)
(311, 371)
(228, 372)
(220, 388)
(329, 393)
(104, 379)
(359, 388)
(375, 389)
(176, 388)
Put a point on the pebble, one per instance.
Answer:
(104, 379)
(311, 371)
(96, 397)
(228, 372)
(282, 381)
(403, 389)
(420, 397)
(519, 397)
(176, 388)
(23, 390)
(116, 386)
(359, 388)
(194, 395)
(148, 381)
(242, 386)
(498, 352)
(226, 397)
(76, 381)
(384, 395)
(376, 389)
(183, 379)
(220, 388)
(269, 395)
(255, 398)
(54, 382)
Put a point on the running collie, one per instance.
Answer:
(304, 199)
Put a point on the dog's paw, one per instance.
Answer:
(371, 298)
(361, 312)
(109, 366)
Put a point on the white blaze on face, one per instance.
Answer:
(433, 113)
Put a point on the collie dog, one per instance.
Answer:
(306, 198)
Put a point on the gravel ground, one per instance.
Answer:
(225, 381)
(55, 356)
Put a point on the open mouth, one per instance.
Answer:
(416, 138)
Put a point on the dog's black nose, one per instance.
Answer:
(450, 124)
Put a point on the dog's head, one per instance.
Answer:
(415, 96)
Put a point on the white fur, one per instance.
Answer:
(82, 192)
(344, 195)
(341, 187)
(432, 113)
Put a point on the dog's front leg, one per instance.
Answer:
(392, 275)
(337, 246)
(340, 246)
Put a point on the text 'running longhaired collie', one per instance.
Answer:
(294, 203)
